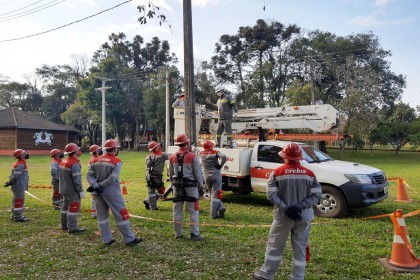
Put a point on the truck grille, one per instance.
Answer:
(378, 178)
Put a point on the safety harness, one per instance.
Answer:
(153, 180)
(181, 183)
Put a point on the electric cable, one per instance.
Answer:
(65, 25)
(31, 11)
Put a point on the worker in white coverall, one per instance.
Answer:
(294, 190)
(212, 161)
(95, 151)
(186, 176)
(71, 188)
(226, 105)
(19, 181)
(104, 179)
(56, 156)
(155, 163)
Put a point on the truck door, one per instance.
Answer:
(265, 161)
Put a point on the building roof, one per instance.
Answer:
(15, 118)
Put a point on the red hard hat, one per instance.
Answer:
(152, 145)
(291, 151)
(181, 139)
(18, 152)
(54, 152)
(208, 145)
(70, 148)
(93, 148)
(110, 144)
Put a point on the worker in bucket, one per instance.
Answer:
(155, 163)
(212, 162)
(104, 179)
(56, 156)
(95, 151)
(180, 100)
(187, 177)
(19, 181)
(71, 188)
(226, 105)
(294, 190)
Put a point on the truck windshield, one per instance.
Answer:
(314, 155)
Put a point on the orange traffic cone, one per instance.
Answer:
(402, 195)
(401, 192)
(402, 255)
(124, 188)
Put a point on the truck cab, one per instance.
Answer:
(344, 184)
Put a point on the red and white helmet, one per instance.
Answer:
(110, 144)
(208, 145)
(152, 145)
(181, 139)
(291, 151)
(54, 152)
(18, 152)
(94, 148)
(70, 148)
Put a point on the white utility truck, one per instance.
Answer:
(344, 184)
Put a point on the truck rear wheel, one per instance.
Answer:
(333, 204)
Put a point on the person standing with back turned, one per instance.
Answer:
(104, 179)
(294, 190)
(186, 175)
(155, 164)
(56, 156)
(71, 188)
(212, 161)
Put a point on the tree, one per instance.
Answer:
(255, 60)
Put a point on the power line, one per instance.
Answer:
(21, 8)
(34, 10)
(80, 20)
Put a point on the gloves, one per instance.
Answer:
(7, 184)
(82, 194)
(91, 189)
(98, 190)
(294, 212)
(218, 167)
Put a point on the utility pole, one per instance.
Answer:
(167, 126)
(103, 90)
(190, 122)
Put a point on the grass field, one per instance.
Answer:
(346, 248)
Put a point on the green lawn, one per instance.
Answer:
(346, 248)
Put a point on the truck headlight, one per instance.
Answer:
(361, 179)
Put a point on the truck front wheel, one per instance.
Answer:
(333, 204)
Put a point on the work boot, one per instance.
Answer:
(77, 230)
(196, 237)
(221, 213)
(109, 243)
(257, 276)
(135, 241)
(21, 220)
(179, 237)
(146, 204)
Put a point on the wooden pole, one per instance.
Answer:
(190, 126)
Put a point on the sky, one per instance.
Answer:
(81, 28)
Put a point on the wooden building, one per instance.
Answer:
(21, 130)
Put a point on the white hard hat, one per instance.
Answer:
(219, 88)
